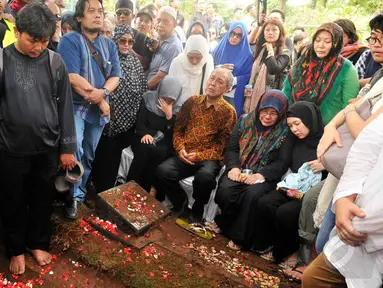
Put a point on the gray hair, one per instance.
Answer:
(229, 75)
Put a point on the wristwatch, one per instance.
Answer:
(106, 91)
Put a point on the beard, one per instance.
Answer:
(93, 30)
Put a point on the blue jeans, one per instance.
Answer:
(88, 136)
(325, 229)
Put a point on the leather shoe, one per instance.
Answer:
(71, 209)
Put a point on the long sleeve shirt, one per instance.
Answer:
(204, 130)
(362, 266)
(32, 121)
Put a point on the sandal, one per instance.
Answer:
(233, 246)
(74, 175)
(213, 227)
(268, 256)
(195, 228)
(288, 264)
(295, 269)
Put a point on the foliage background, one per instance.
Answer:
(309, 16)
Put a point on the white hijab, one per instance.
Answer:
(190, 75)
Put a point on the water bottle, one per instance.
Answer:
(364, 90)
(158, 137)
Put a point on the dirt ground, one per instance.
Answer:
(166, 256)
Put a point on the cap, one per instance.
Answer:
(124, 4)
(169, 10)
(146, 12)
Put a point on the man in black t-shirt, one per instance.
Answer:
(37, 134)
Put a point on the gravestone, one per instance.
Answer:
(131, 208)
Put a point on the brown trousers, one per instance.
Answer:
(321, 273)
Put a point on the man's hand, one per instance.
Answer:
(95, 95)
(345, 211)
(147, 139)
(316, 166)
(8, 17)
(234, 175)
(67, 161)
(186, 157)
(253, 179)
(330, 136)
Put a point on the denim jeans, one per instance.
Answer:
(88, 136)
(325, 229)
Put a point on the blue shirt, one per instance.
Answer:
(78, 60)
(164, 56)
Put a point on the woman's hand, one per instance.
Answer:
(330, 136)
(269, 48)
(234, 175)
(147, 139)
(316, 166)
(253, 179)
(248, 92)
(228, 66)
(166, 108)
(104, 107)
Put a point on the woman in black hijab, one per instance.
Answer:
(276, 221)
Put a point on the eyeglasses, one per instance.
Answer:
(271, 113)
(123, 41)
(237, 35)
(373, 40)
(58, 17)
(211, 33)
(123, 12)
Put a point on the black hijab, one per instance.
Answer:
(310, 115)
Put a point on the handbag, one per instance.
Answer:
(334, 159)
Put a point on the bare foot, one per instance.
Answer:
(296, 273)
(17, 264)
(42, 257)
(153, 192)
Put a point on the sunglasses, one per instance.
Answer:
(123, 12)
(124, 41)
(58, 17)
(237, 35)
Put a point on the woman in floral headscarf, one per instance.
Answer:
(124, 103)
(252, 148)
(322, 75)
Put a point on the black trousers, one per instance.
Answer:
(173, 169)
(277, 224)
(146, 159)
(238, 204)
(107, 159)
(26, 199)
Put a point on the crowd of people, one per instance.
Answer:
(292, 124)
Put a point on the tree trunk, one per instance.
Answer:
(313, 4)
(324, 3)
(282, 5)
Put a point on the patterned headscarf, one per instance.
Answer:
(125, 101)
(312, 78)
(257, 141)
(121, 30)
